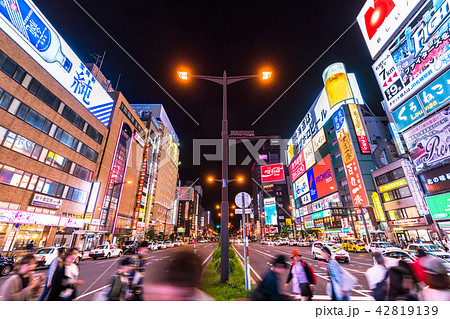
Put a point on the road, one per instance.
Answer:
(97, 274)
(261, 257)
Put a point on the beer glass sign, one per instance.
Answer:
(336, 84)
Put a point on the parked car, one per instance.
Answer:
(381, 247)
(202, 241)
(44, 256)
(336, 252)
(106, 251)
(432, 250)
(353, 244)
(129, 247)
(153, 246)
(161, 245)
(169, 244)
(6, 265)
(391, 258)
(292, 242)
(304, 243)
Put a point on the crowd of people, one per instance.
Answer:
(424, 280)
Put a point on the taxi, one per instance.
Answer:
(353, 244)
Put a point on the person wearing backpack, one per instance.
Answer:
(303, 277)
(377, 277)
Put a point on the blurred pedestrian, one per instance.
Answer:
(24, 285)
(268, 289)
(376, 277)
(51, 271)
(341, 282)
(417, 266)
(403, 284)
(438, 288)
(302, 275)
(30, 246)
(138, 273)
(179, 280)
(121, 283)
(65, 279)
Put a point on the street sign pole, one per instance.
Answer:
(244, 239)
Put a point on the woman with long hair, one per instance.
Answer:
(65, 280)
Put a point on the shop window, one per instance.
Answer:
(5, 99)
(19, 74)
(40, 184)
(11, 176)
(59, 161)
(49, 158)
(9, 140)
(36, 152)
(35, 119)
(2, 133)
(14, 106)
(25, 180)
(23, 146)
(33, 182)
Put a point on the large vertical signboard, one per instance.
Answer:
(270, 210)
(428, 143)
(26, 25)
(354, 177)
(380, 19)
(359, 129)
(420, 52)
(272, 173)
(416, 192)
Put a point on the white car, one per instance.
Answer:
(44, 256)
(380, 246)
(153, 246)
(292, 242)
(169, 244)
(336, 253)
(105, 251)
(391, 258)
(432, 250)
(303, 243)
(161, 245)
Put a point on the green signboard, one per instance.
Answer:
(439, 206)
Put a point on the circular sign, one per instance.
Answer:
(243, 200)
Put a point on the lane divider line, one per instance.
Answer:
(251, 268)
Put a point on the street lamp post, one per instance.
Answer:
(224, 81)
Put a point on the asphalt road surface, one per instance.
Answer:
(97, 274)
(261, 257)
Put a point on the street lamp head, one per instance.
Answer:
(240, 179)
(210, 179)
(129, 182)
(217, 206)
(184, 75)
(266, 75)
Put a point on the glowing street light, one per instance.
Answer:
(266, 75)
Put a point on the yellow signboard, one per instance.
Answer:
(379, 214)
(396, 184)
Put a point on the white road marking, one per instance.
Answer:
(91, 292)
(207, 258)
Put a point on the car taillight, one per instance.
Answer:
(43, 258)
(103, 251)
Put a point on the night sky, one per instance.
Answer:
(208, 37)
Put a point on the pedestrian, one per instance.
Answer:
(138, 273)
(303, 278)
(417, 266)
(179, 280)
(30, 246)
(403, 284)
(419, 240)
(25, 285)
(51, 271)
(65, 279)
(121, 283)
(268, 289)
(341, 282)
(376, 277)
(438, 288)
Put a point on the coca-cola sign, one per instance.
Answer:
(272, 173)
(429, 142)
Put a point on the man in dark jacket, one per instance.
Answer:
(268, 288)
(138, 274)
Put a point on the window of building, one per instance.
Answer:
(390, 176)
(396, 194)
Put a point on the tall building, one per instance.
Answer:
(331, 163)
(191, 216)
(413, 75)
(163, 198)
(54, 120)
